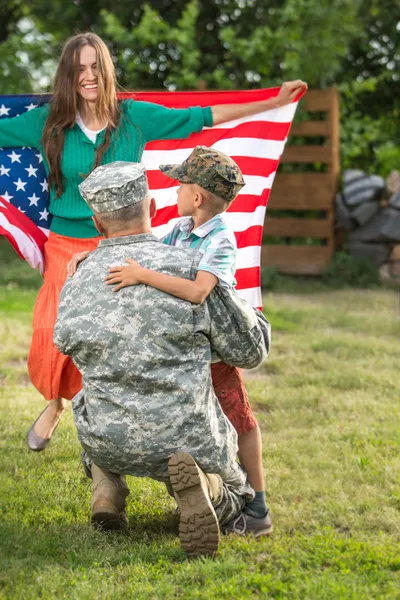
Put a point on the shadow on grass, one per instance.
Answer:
(147, 540)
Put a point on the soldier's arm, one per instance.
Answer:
(240, 334)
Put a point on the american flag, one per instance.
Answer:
(256, 143)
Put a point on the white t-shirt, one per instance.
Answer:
(88, 132)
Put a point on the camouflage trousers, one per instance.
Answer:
(227, 506)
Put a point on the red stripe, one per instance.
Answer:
(164, 215)
(250, 165)
(255, 129)
(208, 98)
(249, 237)
(248, 203)
(159, 181)
(248, 278)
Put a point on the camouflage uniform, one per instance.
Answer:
(145, 362)
(211, 169)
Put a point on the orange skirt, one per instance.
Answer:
(52, 373)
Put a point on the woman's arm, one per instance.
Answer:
(25, 130)
(228, 112)
(157, 122)
(193, 291)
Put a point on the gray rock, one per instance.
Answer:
(351, 175)
(343, 215)
(394, 201)
(379, 253)
(383, 227)
(362, 189)
(363, 212)
(371, 231)
(391, 227)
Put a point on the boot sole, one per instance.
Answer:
(198, 527)
(107, 519)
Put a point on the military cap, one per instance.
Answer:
(211, 169)
(114, 186)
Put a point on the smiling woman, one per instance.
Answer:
(88, 80)
(82, 127)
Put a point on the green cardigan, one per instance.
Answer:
(140, 123)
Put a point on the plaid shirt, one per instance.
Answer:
(214, 241)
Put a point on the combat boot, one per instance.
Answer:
(195, 493)
(109, 492)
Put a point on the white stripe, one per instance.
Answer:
(255, 185)
(284, 114)
(248, 147)
(164, 197)
(252, 295)
(240, 221)
(162, 230)
(248, 257)
(26, 244)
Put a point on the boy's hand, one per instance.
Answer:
(124, 276)
(75, 260)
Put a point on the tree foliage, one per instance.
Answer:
(181, 44)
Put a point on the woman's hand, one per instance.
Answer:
(125, 275)
(222, 113)
(75, 260)
(289, 90)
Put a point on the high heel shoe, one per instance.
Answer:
(34, 441)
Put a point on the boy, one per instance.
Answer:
(210, 181)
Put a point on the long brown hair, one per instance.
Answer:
(65, 100)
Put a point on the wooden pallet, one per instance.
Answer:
(305, 192)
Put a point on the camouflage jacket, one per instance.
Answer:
(145, 362)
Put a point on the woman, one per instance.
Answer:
(82, 127)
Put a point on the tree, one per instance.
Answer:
(175, 44)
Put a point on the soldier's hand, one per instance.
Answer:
(75, 260)
(289, 90)
(125, 275)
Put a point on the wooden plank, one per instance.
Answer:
(311, 128)
(296, 260)
(302, 191)
(334, 123)
(307, 154)
(318, 100)
(298, 228)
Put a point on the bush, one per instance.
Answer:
(346, 270)
(269, 278)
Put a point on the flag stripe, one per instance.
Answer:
(259, 129)
(250, 147)
(251, 276)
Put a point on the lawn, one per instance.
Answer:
(327, 401)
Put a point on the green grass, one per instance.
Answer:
(327, 402)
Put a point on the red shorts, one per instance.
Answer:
(230, 390)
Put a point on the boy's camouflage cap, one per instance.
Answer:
(213, 170)
(114, 186)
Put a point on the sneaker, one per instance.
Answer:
(245, 524)
(107, 517)
(198, 526)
